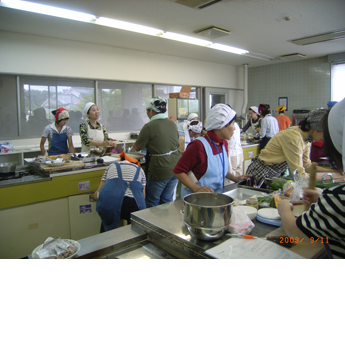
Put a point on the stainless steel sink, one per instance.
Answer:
(142, 250)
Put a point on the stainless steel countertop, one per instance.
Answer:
(166, 221)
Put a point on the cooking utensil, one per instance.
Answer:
(207, 215)
(312, 180)
(97, 151)
(7, 168)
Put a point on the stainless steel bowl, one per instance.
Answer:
(7, 168)
(207, 215)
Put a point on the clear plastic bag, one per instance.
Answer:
(240, 223)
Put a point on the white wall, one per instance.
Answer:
(28, 54)
(22, 54)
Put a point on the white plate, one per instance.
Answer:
(55, 163)
(72, 242)
(269, 213)
(250, 211)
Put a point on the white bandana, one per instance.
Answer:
(336, 127)
(219, 116)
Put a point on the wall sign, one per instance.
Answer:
(84, 186)
(85, 209)
(283, 101)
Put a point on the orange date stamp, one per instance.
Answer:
(286, 239)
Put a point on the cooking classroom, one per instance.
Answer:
(165, 129)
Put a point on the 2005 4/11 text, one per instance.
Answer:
(287, 239)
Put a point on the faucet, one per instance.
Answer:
(325, 176)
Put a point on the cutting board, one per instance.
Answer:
(69, 165)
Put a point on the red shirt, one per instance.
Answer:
(195, 159)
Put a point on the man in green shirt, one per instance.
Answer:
(160, 137)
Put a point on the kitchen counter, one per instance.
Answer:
(163, 227)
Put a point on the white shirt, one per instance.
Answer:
(269, 126)
(235, 147)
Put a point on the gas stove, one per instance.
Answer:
(13, 175)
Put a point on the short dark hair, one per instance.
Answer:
(265, 112)
(334, 156)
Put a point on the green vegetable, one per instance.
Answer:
(275, 185)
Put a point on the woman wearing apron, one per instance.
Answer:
(269, 125)
(325, 219)
(59, 135)
(289, 149)
(92, 133)
(121, 192)
(204, 165)
(254, 122)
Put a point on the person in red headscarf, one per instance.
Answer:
(59, 134)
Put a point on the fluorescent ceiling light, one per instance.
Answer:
(228, 49)
(260, 56)
(185, 39)
(328, 36)
(118, 24)
(47, 10)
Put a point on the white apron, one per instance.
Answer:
(93, 134)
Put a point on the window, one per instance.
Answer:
(122, 105)
(338, 77)
(8, 108)
(39, 96)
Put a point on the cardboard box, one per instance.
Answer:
(184, 92)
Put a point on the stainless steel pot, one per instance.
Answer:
(7, 168)
(207, 215)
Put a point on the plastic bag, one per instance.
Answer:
(240, 223)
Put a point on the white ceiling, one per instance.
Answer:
(256, 25)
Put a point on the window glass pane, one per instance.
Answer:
(193, 107)
(122, 105)
(338, 86)
(8, 108)
(40, 96)
(164, 90)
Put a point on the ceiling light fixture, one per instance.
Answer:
(119, 24)
(48, 10)
(186, 39)
(328, 36)
(228, 49)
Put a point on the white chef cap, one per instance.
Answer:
(219, 116)
(336, 127)
(195, 126)
(254, 108)
(87, 108)
(192, 116)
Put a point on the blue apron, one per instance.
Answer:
(217, 168)
(111, 195)
(59, 144)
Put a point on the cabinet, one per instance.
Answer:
(249, 152)
(180, 108)
(24, 228)
(84, 220)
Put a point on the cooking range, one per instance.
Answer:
(14, 175)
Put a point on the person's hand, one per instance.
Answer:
(241, 178)
(204, 189)
(310, 196)
(105, 143)
(258, 129)
(93, 196)
(284, 206)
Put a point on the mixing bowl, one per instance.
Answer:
(207, 215)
